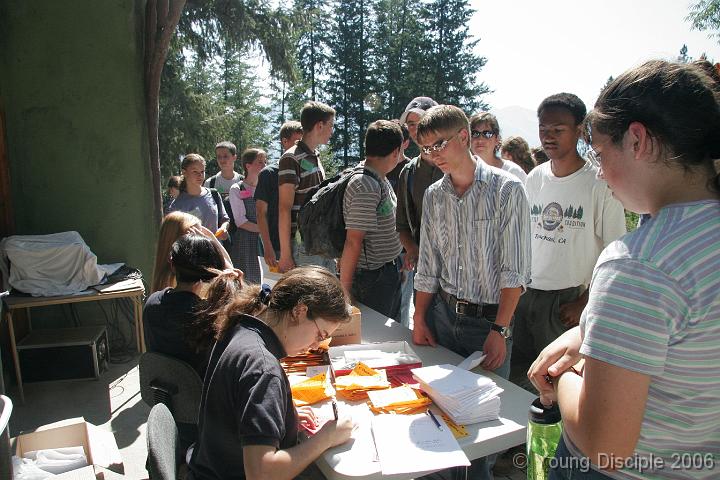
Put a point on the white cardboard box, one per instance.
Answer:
(99, 444)
(337, 356)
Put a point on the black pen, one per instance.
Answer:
(435, 420)
(334, 404)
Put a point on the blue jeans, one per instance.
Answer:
(379, 289)
(567, 466)
(406, 294)
(465, 335)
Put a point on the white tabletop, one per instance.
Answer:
(350, 461)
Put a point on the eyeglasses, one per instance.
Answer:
(438, 146)
(321, 336)
(484, 133)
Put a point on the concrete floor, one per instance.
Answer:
(112, 402)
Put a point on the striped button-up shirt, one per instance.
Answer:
(476, 244)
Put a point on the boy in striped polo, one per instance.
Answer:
(300, 170)
(368, 271)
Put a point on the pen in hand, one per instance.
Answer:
(335, 412)
(435, 420)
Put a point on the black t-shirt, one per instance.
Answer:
(267, 191)
(166, 315)
(246, 401)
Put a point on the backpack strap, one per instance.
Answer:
(216, 196)
(213, 179)
(410, 209)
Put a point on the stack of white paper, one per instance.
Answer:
(465, 396)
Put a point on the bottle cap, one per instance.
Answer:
(543, 415)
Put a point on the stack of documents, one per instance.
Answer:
(465, 396)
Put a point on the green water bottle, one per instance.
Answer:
(543, 435)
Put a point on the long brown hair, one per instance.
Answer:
(174, 226)
(311, 286)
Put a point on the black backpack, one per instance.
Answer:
(232, 228)
(321, 221)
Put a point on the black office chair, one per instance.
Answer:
(162, 444)
(6, 406)
(164, 379)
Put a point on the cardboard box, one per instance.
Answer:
(407, 359)
(99, 444)
(349, 333)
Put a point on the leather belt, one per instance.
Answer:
(468, 309)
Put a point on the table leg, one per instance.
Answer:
(139, 327)
(16, 358)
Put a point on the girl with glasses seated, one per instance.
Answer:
(248, 424)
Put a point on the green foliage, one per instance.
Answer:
(631, 220)
(203, 103)
(705, 15)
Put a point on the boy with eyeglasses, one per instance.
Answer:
(474, 251)
(573, 218)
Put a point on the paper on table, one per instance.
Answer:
(382, 398)
(472, 361)
(402, 437)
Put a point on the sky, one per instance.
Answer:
(536, 48)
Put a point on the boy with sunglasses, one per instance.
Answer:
(474, 251)
(574, 217)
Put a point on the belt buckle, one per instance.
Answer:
(460, 307)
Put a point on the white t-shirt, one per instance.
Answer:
(222, 185)
(572, 219)
(515, 169)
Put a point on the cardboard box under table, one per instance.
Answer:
(98, 444)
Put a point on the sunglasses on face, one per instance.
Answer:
(439, 146)
(484, 133)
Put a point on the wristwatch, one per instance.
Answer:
(506, 332)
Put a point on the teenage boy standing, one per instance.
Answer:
(300, 170)
(415, 178)
(474, 251)
(226, 154)
(266, 197)
(368, 269)
(573, 218)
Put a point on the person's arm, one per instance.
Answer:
(427, 278)
(211, 236)
(494, 347)
(411, 248)
(350, 255)
(556, 358)
(421, 332)
(602, 411)
(239, 211)
(261, 208)
(264, 462)
(286, 198)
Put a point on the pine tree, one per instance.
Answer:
(346, 87)
(450, 58)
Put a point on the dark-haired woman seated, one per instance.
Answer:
(248, 423)
(169, 314)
